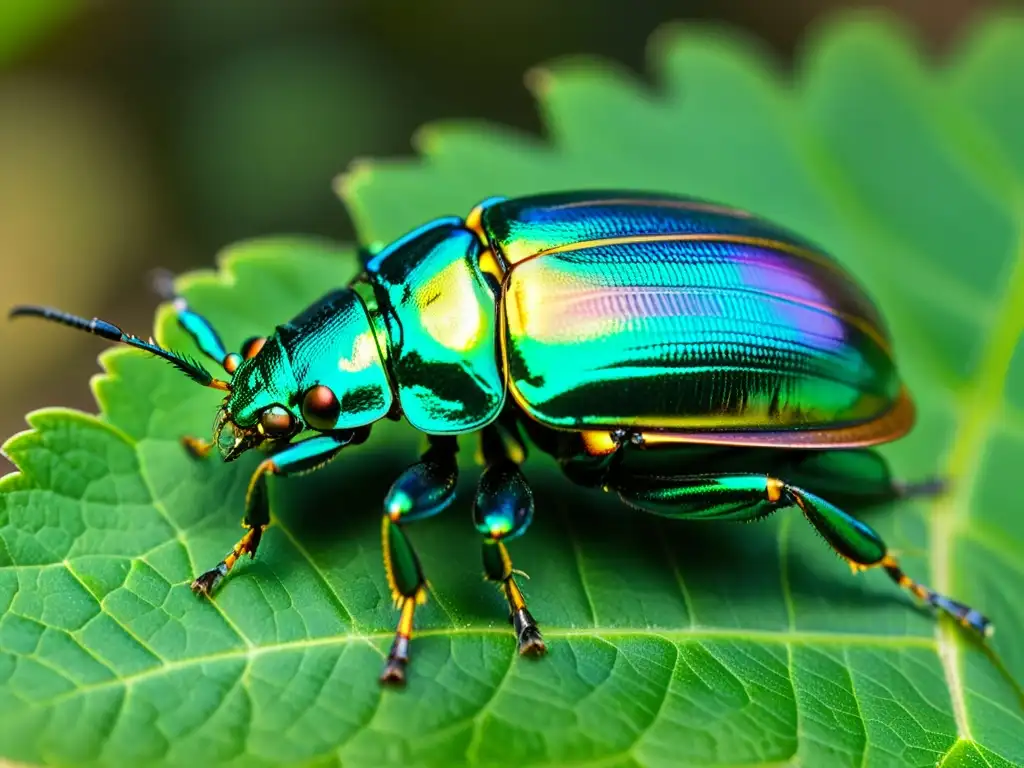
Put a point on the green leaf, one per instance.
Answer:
(669, 644)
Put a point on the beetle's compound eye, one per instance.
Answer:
(223, 433)
(275, 421)
(252, 346)
(320, 408)
(226, 441)
(232, 361)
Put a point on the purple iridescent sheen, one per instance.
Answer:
(653, 314)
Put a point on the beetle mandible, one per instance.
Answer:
(695, 359)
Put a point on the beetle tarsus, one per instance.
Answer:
(394, 673)
(206, 583)
(398, 660)
(964, 615)
(530, 641)
(247, 545)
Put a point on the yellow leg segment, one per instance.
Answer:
(398, 658)
(498, 568)
(246, 545)
(196, 447)
(422, 490)
(964, 615)
(257, 518)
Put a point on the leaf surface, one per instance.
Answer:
(669, 644)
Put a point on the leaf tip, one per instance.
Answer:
(9, 449)
(346, 185)
(983, 48)
(858, 33)
(426, 139)
(538, 81)
(677, 49)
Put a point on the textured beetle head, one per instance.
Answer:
(322, 371)
(260, 407)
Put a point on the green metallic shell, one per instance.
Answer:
(440, 315)
(641, 311)
(331, 344)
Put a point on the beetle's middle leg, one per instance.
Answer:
(503, 510)
(423, 490)
(295, 458)
(753, 496)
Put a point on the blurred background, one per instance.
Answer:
(144, 133)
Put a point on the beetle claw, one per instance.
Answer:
(207, 582)
(529, 638)
(394, 673)
(531, 643)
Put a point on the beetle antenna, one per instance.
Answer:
(111, 332)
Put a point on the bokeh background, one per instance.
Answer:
(145, 133)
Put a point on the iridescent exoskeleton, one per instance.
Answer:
(696, 360)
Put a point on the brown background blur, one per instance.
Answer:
(140, 133)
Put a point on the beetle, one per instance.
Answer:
(697, 360)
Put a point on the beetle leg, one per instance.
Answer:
(850, 538)
(424, 489)
(752, 496)
(503, 510)
(195, 325)
(297, 457)
(196, 447)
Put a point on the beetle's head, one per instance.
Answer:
(321, 372)
(260, 405)
(232, 440)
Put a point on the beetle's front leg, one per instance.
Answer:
(297, 457)
(424, 489)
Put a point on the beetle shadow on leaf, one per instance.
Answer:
(339, 500)
(592, 560)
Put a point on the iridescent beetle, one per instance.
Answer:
(696, 360)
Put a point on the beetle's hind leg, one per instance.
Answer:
(751, 496)
(862, 547)
(424, 489)
(503, 510)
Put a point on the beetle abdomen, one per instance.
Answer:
(690, 330)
